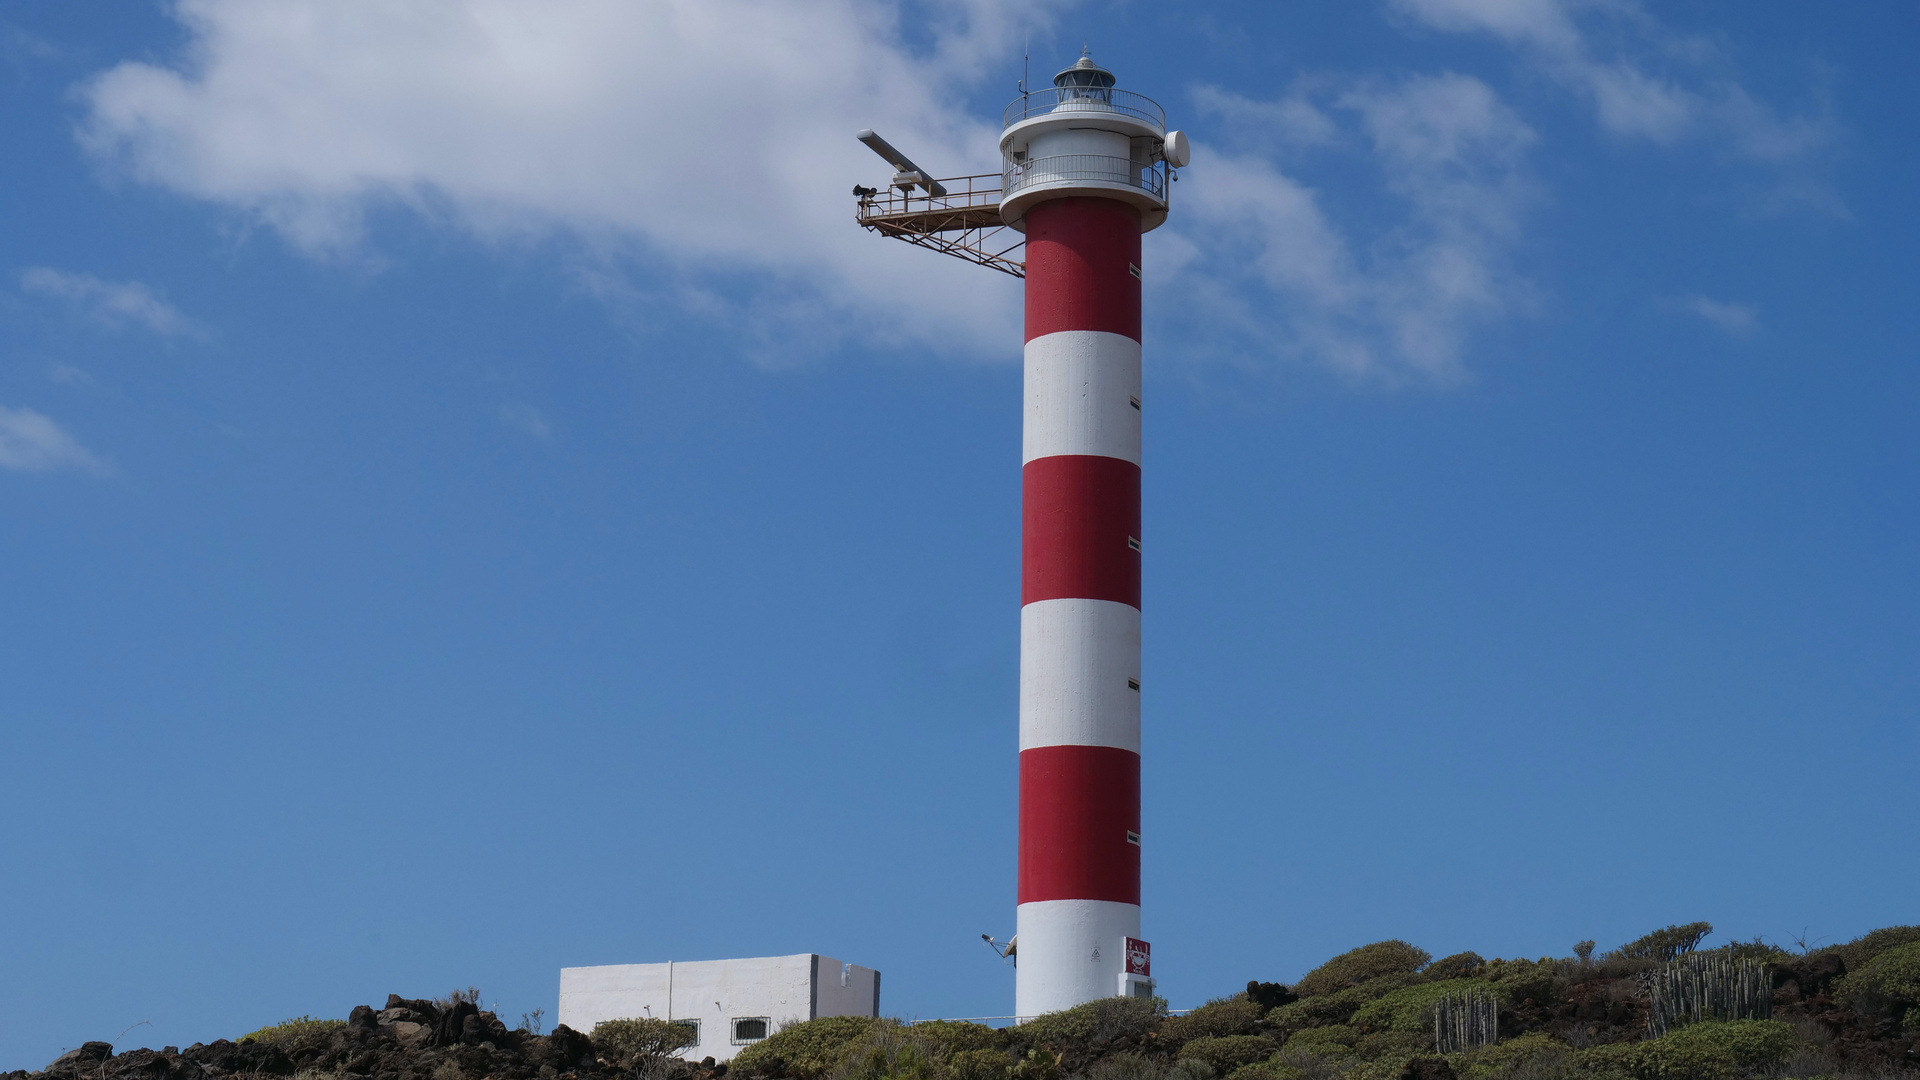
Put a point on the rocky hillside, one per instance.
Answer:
(1654, 1009)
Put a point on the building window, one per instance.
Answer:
(691, 1025)
(748, 1029)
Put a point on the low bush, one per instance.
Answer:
(1333, 1035)
(1336, 1008)
(1666, 944)
(1360, 965)
(807, 1050)
(1225, 1053)
(1094, 1022)
(980, 1064)
(890, 1051)
(298, 1027)
(1190, 1069)
(1889, 983)
(1709, 1050)
(1463, 965)
(1395, 1045)
(1519, 980)
(1537, 1054)
(627, 1042)
(958, 1036)
(1237, 1015)
(1861, 950)
(1410, 1008)
(1125, 1066)
(1329, 1062)
(1270, 1069)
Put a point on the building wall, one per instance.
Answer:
(781, 989)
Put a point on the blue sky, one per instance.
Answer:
(474, 503)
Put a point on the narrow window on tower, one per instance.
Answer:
(1133, 684)
(1133, 838)
(1133, 542)
(1135, 402)
(1134, 269)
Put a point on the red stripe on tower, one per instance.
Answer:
(1082, 259)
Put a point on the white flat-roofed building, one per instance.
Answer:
(733, 1003)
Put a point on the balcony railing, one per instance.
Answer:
(1091, 99)
(1017, 176)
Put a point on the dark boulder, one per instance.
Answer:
(1809, 976)
(424, 1011)
(564, 1050)
(452, 1024)
(88, 1056)
(362, 1019)
(145, 1064)
(1271, 995)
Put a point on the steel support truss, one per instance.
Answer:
(964, 222)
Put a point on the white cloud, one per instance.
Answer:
(526, 418)
(69, 375)
(32, 442)
(111, 303)
(699, 138)
(1392, 301)
(1696, 98)
(1293, 119)
(1738, 320)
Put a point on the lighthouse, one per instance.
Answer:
(1080, 182)
(1085, 171)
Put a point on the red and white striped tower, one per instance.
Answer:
(1085, 171)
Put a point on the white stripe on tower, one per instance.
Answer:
(1083, 396)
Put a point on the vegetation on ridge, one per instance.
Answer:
(1845, 1012)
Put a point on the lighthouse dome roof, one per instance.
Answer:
(1085, 72)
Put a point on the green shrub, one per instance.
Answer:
(1888, 983)
(1360, 965)
(1666, 944)
(1861, 950)
(1709, 1050)
(1523, 979)
(1271, 1069)
(1095, 1021)
(1226, 1053)
(1335, 1008)
(1038, 1064)
(1537, 1054)
(1318, 1038)
(1395, 1045)
(1410, 1008)
(1124, 1067)
(980, 1064)
(625, 1042)
(1464, 965)
(959, 1036)
(1237, 1015)
(1189, 1069)
(1329, 1062)
(889, 1051)
(807, 1050)
(290, 1030)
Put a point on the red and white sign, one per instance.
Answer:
(1139, 957)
